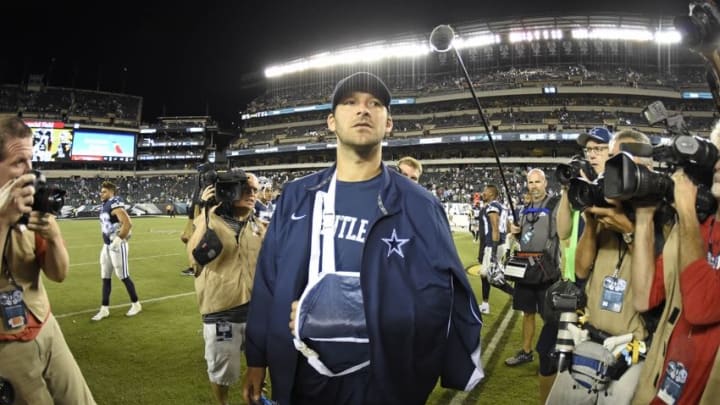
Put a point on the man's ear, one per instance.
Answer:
(388, 124)
(331, 122)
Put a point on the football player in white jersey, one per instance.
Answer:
(115, 224)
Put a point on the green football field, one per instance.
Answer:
(157, 357)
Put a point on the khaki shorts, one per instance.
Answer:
(223, 357)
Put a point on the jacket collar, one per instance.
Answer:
(388, 199)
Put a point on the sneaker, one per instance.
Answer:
(135, 308)
(484, 308)
(188, 272)
(104, 312)
(520, 358)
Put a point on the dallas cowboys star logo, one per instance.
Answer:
(395, 244)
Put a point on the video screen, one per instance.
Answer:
(52, 142)
(103, 146)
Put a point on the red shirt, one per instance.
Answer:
(697, 332)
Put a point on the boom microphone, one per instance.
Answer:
(441, 40)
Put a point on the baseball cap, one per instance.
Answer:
(597, 134)
(361, 81)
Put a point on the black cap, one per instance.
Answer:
(364, 82)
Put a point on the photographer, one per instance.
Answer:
(570, 225)
(595, 148)
(686, 278)
(225, 279)
(35, 361)
(604, 255)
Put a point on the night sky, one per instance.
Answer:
(189, 57)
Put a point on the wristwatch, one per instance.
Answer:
(628, 237)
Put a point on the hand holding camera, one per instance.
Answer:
(43, 224)
(16, 198)
(208, 194)
(685, 193)
(612, 217)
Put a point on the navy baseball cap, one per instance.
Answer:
(597, 134)
(364, 82)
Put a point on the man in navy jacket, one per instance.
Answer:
(420, 313)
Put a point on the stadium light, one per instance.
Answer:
(668, 37)
(350, 56)
(626, 34)
(476, 41)
(416, 48)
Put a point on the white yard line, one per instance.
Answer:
(460, 396)
(89, 311)
(132, 241)
(97, 262)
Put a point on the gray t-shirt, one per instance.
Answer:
(537, 226)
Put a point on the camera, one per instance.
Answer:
(562, 300)
(583, 193)
(700, 28)
(228, 183)
(629, 181)
(48, 198)
(568, 171)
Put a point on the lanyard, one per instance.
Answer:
(323, 227)
(622, 250)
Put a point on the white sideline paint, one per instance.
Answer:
(100, 244)
(89, 311)
(460, 396)
(133, 259)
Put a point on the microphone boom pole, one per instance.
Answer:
(441, 40)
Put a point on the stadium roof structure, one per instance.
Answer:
(622, 27)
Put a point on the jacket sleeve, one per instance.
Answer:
(461, 369)
(262, 295)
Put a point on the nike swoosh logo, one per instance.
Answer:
(296, 218)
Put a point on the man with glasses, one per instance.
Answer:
(595, 147)
(594, 144)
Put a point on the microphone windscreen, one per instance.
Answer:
(441, 38)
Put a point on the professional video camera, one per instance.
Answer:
(570, 170)
(583, 193)
(48, 198)
(229, 183)
(627, 180)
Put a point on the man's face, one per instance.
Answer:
(597, 154)
(487, 195)
(360, 121)
(249, 194)
(537, 186)
(105, 194)
(409, 172)
(18, 159)
(266, 194)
